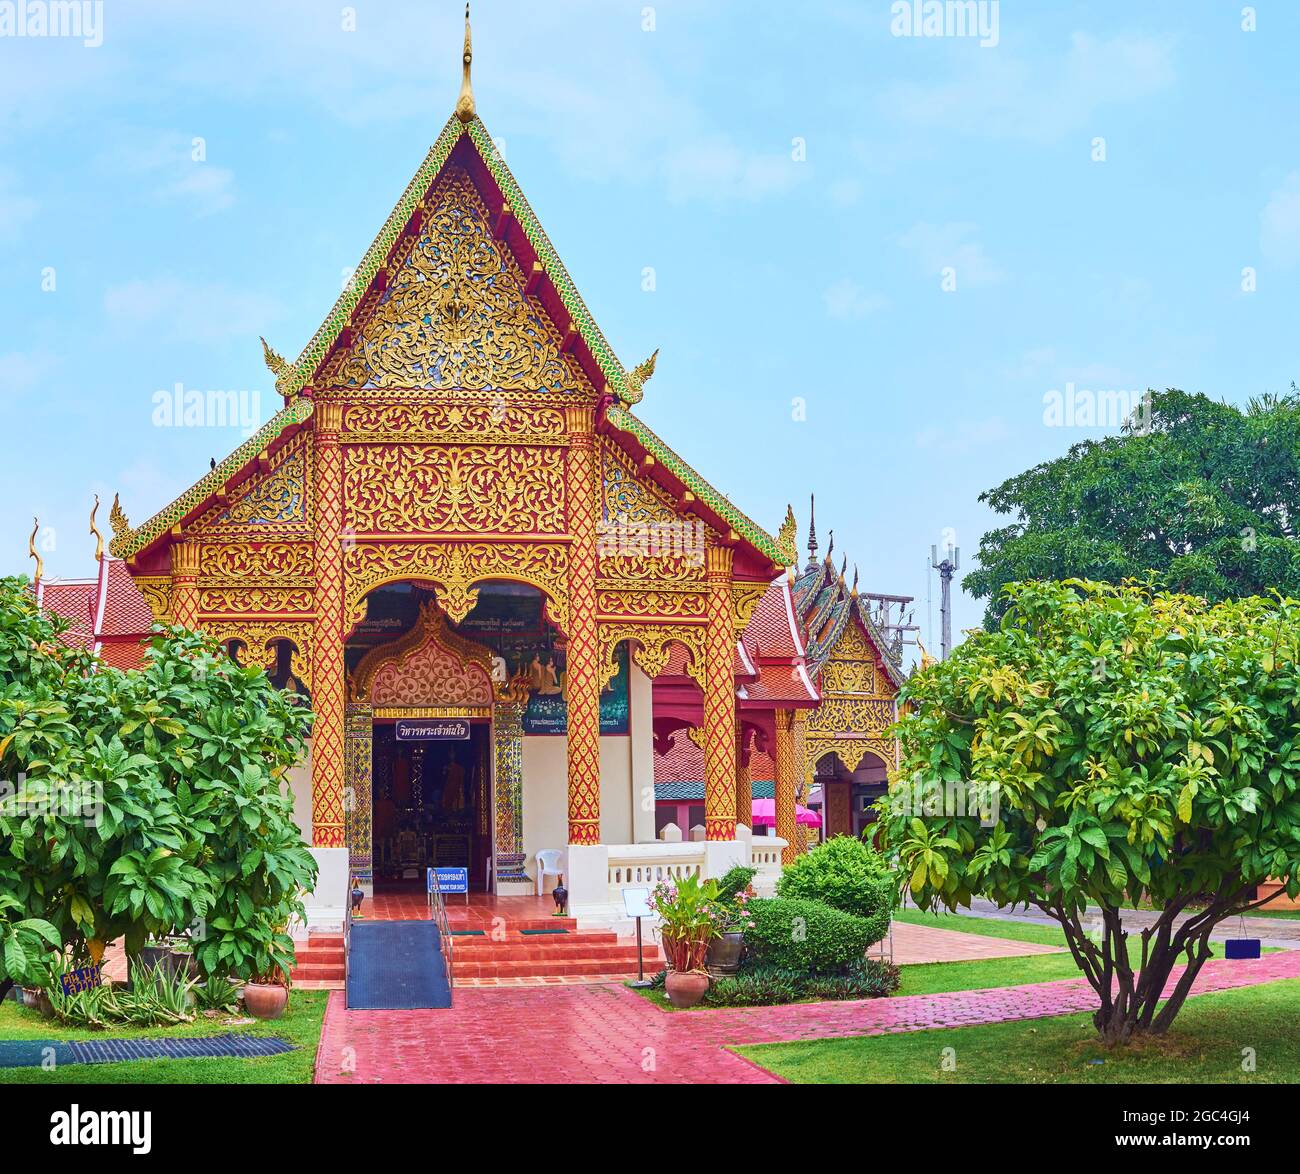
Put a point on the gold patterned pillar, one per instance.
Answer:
(803, 774)
(185, 584)
(584, 675)
(719, 700)
(358, 792)
(508, 746)
(327, 678)
(744, 781)
(787, 826)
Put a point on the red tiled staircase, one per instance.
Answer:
(319, 962)
(507, 953)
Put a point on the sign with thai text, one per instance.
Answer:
(450, 880)
(433, 729)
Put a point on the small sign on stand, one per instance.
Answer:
(450, 880)
(636, 904)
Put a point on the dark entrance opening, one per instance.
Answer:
(432, 807)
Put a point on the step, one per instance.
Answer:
(558, 942)
(318, 973)
(574, 953)
(513, 924)
(545, 969)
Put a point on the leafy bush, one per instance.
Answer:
(156, 998)
(217, 994)
(181, 764)
(806, 936)
(735, 880)
(764, 986)
(873, 978)
(847, 875)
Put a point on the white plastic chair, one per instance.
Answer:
(550, 862)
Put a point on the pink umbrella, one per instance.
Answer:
(765, 814)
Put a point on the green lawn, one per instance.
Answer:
(300, 1025)
(1205, 1046)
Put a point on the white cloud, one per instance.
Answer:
(190, 312)
(944, 246)
(1279, 224)
(846, 299)
(963, 436)
(1004, 96)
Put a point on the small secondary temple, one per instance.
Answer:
(510, 603)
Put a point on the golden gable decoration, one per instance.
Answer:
(455, 313)
(431, 666)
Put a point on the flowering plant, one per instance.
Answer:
(691, 919)
(734, 916)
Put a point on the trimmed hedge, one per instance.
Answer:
(847, 875)
(735, 880)
(806, 936)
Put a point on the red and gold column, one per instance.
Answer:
(185, 584)
(719, 700)
(584, 675)
(744, 781)
(787, 826)
(327, 675)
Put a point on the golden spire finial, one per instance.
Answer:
(465, 103)
(99, 538)
(31, 549)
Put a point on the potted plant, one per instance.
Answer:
(733, 919)
(267, 995)
(690, 921)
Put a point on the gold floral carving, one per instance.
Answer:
(851, 715)
(476, 488)
(652, 602)
(651, 647)
(453, 568)
(243, 600)
(744, 599)
(429, 666)
(676, 569)
(627, 497)
(280, 496)
(849, 676)
(454, 313)
(240, 564)
(450, 419)
(850, 751)
(157, 592)
(260, 639)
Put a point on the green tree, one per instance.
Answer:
(1106, 744)
(147, 802)
(1193, 496)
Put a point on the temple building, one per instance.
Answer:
(511, 604)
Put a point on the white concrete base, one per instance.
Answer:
(720, 856)
(588, 884)
(327, 903)
(525, 888)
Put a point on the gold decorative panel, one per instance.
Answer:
(259, 639)
(471, 488)
(625, 495)
(454, 418)
(454, 313)
(243, 564)
(650, 602)
(453, 568)
(157, 592)
(245, 600)
(429, 666)
(651, 647)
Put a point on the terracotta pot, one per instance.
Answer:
(724, 954)
(685, 988)
(265, 1000)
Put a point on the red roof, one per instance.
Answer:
(684, 763)
(106, 615)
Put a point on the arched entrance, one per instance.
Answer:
(847, 781)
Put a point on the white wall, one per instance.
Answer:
(299, 777)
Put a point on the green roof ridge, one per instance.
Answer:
(746, 527)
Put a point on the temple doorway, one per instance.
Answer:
(432, 807)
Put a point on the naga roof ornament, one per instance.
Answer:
(31, 550)
(465, 102)
(633, 382)
(787, 538)
(117, 518)
(94, 531)
(278, 365)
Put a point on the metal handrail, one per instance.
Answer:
(444, 931)
(347, 939)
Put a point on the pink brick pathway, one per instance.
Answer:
(607, 1034)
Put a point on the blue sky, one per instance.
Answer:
(784, 275)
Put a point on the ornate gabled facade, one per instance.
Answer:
(457, 518)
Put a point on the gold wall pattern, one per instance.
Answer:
(627, 497)
(453, 418)
(453, 568)
(744, 599)
(472, 488)
(651, 647)
(276, 503)
(454, 313)
(268, 564)
(851, 715)
(253, 600)
(644, 569)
